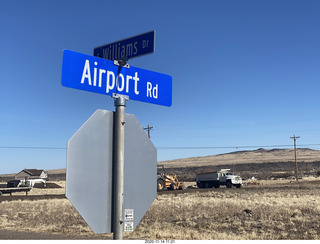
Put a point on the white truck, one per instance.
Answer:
(32, 182)
(218, 178)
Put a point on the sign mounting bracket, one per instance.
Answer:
(122, 63)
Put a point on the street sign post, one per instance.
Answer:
(114, 143)
(125, 49)
(102, 76)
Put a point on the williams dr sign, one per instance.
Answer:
(131, 47)
(102, 76)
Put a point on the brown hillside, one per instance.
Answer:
(247, 157)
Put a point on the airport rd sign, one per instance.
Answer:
(127, 48)
(89, 172)
(102, 76)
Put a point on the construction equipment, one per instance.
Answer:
(170, 182)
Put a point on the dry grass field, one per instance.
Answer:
(273, 206)
(261, 210)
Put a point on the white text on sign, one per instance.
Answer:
(120, 81)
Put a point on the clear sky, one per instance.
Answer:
(245, 73)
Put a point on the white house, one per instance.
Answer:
(31, 174)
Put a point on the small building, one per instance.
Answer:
(31, 174)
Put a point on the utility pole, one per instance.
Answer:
(148, 129)
(295, 153)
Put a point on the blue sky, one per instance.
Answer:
(245, 73)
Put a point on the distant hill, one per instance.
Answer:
(247, 157)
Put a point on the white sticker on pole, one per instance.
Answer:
(128, 226)
(128, 220)
(128, 215)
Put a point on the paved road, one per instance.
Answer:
(21, 235)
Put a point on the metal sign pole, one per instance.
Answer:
(106, 131)
(118, 162)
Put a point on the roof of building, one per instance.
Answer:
(32, 172)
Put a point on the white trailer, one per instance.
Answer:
(20, 186)
(218, 178)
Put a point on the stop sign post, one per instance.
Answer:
(107, 155)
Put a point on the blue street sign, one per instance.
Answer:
(102, 76)
(127, 48)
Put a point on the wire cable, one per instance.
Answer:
(172, 147)
(16, 147)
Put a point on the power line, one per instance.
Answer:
(232, 147)
(236, 147)
(17, 147)
(172, 148)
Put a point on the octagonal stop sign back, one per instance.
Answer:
(89, 172)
